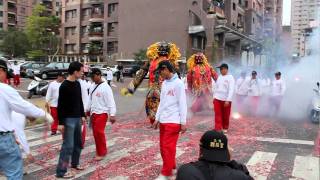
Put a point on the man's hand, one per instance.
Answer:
(226, 104)
(183, 129)
(61, 128)
(112, 119)
(155, 125)
(84, 120)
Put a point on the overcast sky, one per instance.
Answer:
(286, 12)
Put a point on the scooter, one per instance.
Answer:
(37, 87)
(315, 108)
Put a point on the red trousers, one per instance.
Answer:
(16, 80)
(254, 103)
(169, 134)
(98, 126)
(222, 115)
(54, 114)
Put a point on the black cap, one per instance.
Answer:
(254, 72)
(214, 147)
(165, 64)
(95, 71)
(278, 73)
(4, 65)
(223, 66)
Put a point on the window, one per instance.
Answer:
(254, 5)
(23, 10)
(86, 12)
(111, 28)
(69, 31)
(240, 2)
(84, 30)
(112, 8)
(1, 25)
(1, 13)
(70, 47)
(112, 47)
(246, 4)
(59, 66)
(234, 6)
(253, 20)
(1, 2)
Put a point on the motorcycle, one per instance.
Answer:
(37, 87)
(315, 106)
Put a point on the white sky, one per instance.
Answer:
(286, 16)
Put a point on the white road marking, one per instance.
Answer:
(22, 91)
(260, 164)
(279, 140)
(47, 140)
(306, 168)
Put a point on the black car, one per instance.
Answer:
(28, 69)
(52, 69)
(130, 70)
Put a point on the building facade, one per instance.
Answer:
(304, 13)
(89, 29)
(14, 13)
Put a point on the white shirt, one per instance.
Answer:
(16, 69)
(278, 88)
(173, 103)
(254, 87)
(109, 75)
(101, 100)
(85, 86)
(224, 88)
(53, 93)
(242, 86)
(10, 101)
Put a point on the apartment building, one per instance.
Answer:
(273, 19)
(14, 13)
(304, 13)
(89, 29)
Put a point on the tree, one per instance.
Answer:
(14, 43)
(140, 55)
(41, 30)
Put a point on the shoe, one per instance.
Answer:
(225, 131)
(162, 177)
(174, 171)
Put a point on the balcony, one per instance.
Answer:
(96, 36)
(97, 17)
(219, 12)
(12, 1)
(95, 48)
(12, 21)
(12, 10)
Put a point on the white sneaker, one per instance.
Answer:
(174, 171)
(162, 177)
(225, 131)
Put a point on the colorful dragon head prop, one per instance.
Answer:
(197, 59)
(168, 49)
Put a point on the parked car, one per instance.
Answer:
(130, 70)
(27, 70)
(52, 69)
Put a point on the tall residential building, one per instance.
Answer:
(89, 29)
(14, 13)
(273, 19)
(303, 14)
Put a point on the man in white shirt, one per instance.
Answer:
(101, 106)
(241, 91)
(109, 76)
(223, 98)
(278, 89)
(85, 86)
(254, 93)
(16, 74)
(52, 101)
(170, 117)
(10, 155)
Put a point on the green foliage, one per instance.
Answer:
(41, 30)
(140, 55)
(36, 54)
(14, 43)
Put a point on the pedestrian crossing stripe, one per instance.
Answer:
(306, 168)
(260, 164)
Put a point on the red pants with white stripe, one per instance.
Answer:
(16, 80)
(98, 126)
(169, 134)
(54, 114)
(222, 114)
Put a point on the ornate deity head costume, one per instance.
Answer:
(161, 51)
(200, 74)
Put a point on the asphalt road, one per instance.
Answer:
(272, 148)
